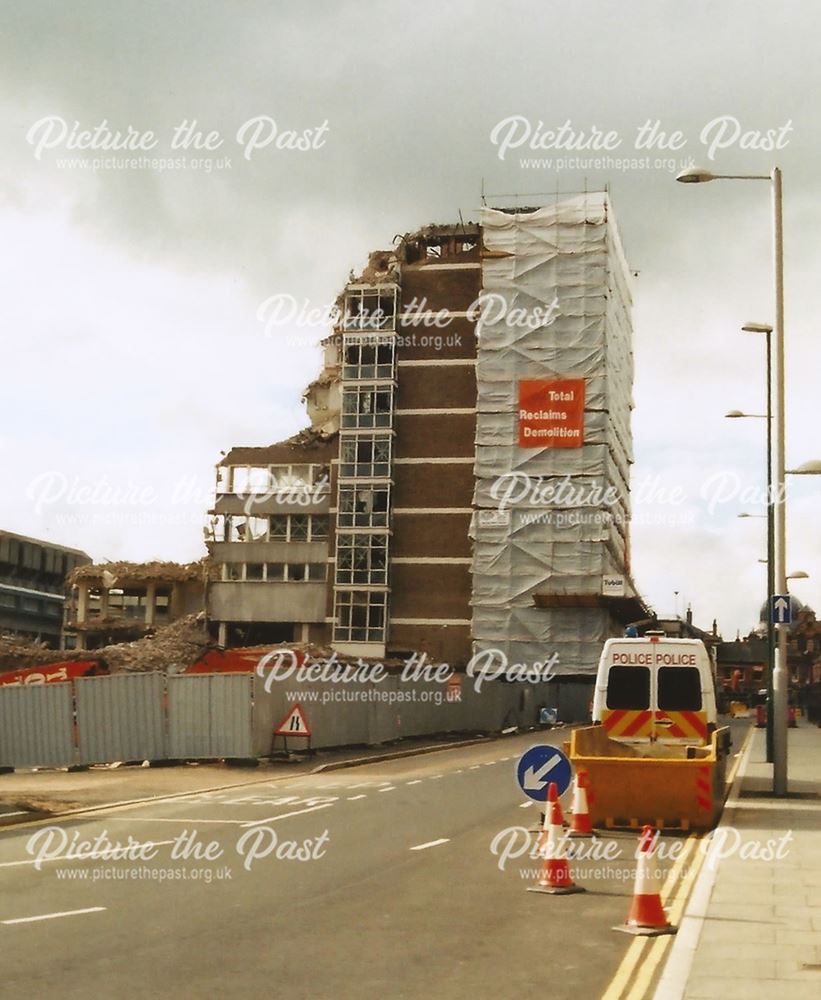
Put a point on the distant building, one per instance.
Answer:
(122, 601)
(33, 586)
(743, 665)
(379, 530)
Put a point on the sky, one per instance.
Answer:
(133, 282)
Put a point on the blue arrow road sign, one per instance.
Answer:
(540, 765)
(781, 609)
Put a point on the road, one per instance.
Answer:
(400, 895)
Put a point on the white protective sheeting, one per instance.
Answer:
(557, 305)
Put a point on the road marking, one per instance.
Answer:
(353, 798)
(631, 973)
(475, 767)
(525, 805)
(658, 947)
(17, 812)
(431, 843)
(436, 777)
(490, 763)
(738, 756)
(89, 857)
(53, 916)
(175, 819)
(416, 781)
(297, 812)
(678, 968)
(458, 770)
(390, 788)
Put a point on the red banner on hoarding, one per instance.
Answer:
(551, 414)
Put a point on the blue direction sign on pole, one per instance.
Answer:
(781, 609)
(540, 765)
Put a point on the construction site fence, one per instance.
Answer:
(156, 717)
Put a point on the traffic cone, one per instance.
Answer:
(580, 824)
(647, 916)
(555, 878)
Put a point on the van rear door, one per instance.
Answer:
(626, 712)
(679, 700)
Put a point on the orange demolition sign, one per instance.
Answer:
(551, 413)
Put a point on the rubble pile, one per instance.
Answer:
(17, 654)
(173, 647)
(110, 573)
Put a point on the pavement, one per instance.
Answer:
(752, 927)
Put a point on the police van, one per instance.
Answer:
(656, 689)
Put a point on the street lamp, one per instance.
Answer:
(697, 175)
(812, 468)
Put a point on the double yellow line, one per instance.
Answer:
(635, 975)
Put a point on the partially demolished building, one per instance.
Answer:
(464, 483)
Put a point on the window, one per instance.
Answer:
(319, 527)
(134, 603)
(279, 527)
(360, 616)
(297, 572)
(94, 603)
(253, 571)
(317, 572)
(362, 559)
(275, 572)
(370, 309)
(679, 689)
(223, 479)
(232, 571)
(367, 406)
(628, 687)
(162, 601)
(363, 507)
(299, 527)
(234, 528)
(368, 357)
(257, 529)
(365, 457)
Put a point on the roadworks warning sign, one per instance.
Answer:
(294, 723)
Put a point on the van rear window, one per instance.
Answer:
(628, 687)
(679, 689)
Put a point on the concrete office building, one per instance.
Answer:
(123, 601)
(33, 586)
(385, 527)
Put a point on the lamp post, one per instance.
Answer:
(765, 328)
(780, 677)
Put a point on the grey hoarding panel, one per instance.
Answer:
(121, 718)
(36, 725)
(231, 710)
(209, 715)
